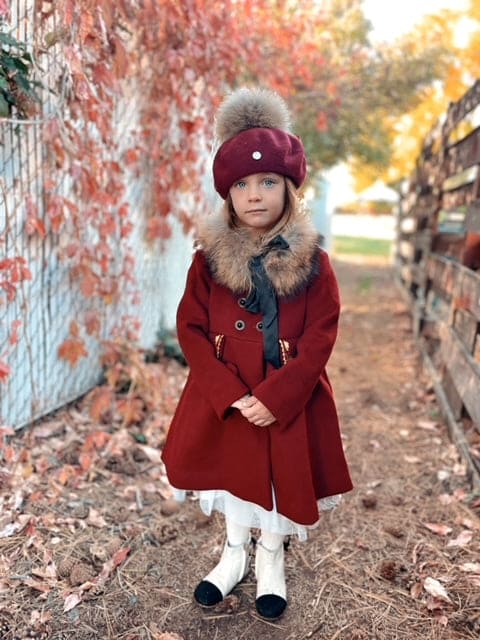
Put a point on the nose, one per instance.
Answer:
(253, 193)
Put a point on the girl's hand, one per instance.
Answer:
(256, 412)
(239, 404)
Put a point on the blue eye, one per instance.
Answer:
(269, 182)
(241, 184)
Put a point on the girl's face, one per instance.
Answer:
(259, 200)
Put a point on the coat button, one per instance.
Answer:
(241, 302)
(239, 325)
(259, 326)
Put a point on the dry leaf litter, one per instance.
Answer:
(93, 547)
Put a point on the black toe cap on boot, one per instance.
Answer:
(270, 606)
(207, 594)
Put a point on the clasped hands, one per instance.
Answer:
(254, 411)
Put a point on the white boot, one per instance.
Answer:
(232, 569)
(271, 588)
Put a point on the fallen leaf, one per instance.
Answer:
(154, 455)
(412, 459)
(428, 425)
(71, 601)
(439, 529)
(37, 585)
(120, 555)
(443, 620)
(96, 440)
(131, 410)
(416, 590)
(96, 519)
(471, 567)
(102, 403)
(49, 429)
(434, 588)
(468, 523)
(474, 580)
(460, 495)
(461, 540)
(48, 572)
(40, 617)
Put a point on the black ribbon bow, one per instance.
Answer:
(263, 299)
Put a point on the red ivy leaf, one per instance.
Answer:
(13, 339)
(35, 225)
(92, 323)
(158, 228)
(131, 156)
(103, 75)
(4, 371)
(72, 350)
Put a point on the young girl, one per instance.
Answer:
(256, 432)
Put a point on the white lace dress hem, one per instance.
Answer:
(252, 515)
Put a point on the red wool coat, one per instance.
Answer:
(212, 446)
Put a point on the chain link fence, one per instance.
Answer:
(39, 382)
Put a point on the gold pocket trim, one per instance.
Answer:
(284, 351)
(219, 344)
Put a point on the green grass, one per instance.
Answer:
(361, 246)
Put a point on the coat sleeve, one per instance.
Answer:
(286, 391)
(217, 383)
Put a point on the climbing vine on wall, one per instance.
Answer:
(178, 58)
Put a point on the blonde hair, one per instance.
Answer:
(293, 209)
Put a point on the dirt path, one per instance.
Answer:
(398, 560)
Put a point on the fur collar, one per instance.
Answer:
(228, 252)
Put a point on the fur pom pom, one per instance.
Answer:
(249, 108)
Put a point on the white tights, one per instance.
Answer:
(239, 534)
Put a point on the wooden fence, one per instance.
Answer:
(437, 264)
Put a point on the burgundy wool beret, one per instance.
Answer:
(258, 150)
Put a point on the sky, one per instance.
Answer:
(391, 19)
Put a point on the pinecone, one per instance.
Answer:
(169, 507)
(64, 566)
(165, 533)
(389, 569)
(80, 573)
